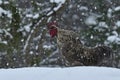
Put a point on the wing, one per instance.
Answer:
(71, 51)
(74, 52)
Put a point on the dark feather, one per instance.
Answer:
(75, 52)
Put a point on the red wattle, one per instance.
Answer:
(53, 32)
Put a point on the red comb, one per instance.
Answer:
(52, 23)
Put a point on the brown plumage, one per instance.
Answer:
(75, 53)
(78, 54)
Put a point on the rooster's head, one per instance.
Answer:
(52, 26)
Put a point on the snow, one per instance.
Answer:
(35, 16)
(4, 42)
(0, 1)
(29, 15)
(27, 27)
(3, 53)
(57, 1)
(51, 12)
(75, 17)
(117, 23)
(7, 33)
(58, 7)
(60, 3)
(91, 37)
(117, 8)
(47, 47)
(91, 20)
(5, 2)
(109, 13)
(103, 24)
(2, 11)
(31, 52)
(83, 8)
(1, 31)
(72, 73)
(114, 39)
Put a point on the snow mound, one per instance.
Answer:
(71, 73)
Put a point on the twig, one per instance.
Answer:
(46, 59)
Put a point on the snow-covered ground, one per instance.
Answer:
(72, 73)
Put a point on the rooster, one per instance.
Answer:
(74, 53)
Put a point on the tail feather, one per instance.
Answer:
(103, 51)
(104, 54)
